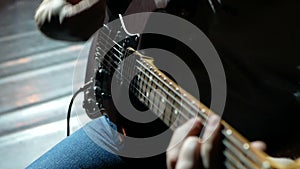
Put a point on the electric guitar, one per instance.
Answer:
(151, 89)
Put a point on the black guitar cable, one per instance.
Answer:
(86, 85)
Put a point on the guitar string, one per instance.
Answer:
(146, 83)
(182, 114)
(181, 120)
(244, 160)
(242, 146)
(238, 154)
(190, 103)
(179, 94)
(158, 107)
(174, 98)
(165, 99)
(153, 104)
(232, 162)
(162, 111)
(161, 87)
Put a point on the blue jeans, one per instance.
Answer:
(80, 151)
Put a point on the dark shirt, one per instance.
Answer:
(258, 42)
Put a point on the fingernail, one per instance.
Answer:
(197, 122)
(213, 120)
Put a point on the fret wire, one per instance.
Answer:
(154, 74)
(125, 62)
(233, 160)
(150, 72)
(149, 89)
(178, 101)
(166, 101)
(163, 89)
(192, 106)
(162, 112)
(239, 154)
(132, 70)
(158, 85)
(171, 105)
(239, 144)
(152, 102)
(141, 84)
(172, 109)
(159, 93)
(179, 114)
(202, 114)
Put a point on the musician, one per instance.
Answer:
(257, 42)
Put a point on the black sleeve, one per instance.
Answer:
(78, 27)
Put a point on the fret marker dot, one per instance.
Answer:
(193, 102)
(165, 79)
(176, 111)
(163, 100)
(177, 88)
(203, 110)
(228, 132)
(266, 165)
(147, 94)
(246, 146)
(170, 83)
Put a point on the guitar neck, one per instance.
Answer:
(174, 106)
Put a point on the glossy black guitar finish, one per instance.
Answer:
(98, 99)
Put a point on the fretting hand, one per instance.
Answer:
(188, 151)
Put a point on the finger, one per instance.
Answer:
(189, 155)
(210, 136)
(282, 161)
(191, 128)
(259, 145)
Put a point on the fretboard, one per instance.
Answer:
(161, 95)
(174, 106)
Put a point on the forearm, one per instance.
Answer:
(61, 20)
